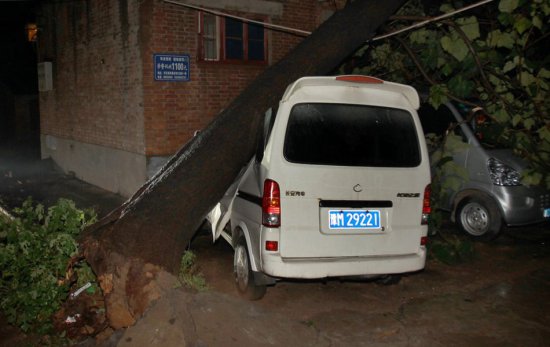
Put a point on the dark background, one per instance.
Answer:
(19, 117)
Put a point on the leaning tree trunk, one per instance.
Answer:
(150, 232)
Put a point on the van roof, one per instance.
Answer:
(357, 81)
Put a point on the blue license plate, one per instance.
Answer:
(354, 219)
(547, 213)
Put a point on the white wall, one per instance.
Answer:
(111, 169)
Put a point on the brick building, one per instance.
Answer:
(125, 83)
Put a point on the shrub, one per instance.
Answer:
(36, 249)
(189, 273)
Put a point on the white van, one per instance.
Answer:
(339, 186)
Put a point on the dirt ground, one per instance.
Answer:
(501, 298)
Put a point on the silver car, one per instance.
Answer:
(492, 195)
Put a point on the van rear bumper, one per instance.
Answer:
(274, 265)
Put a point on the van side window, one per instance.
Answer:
(265, 132)
(351, 135)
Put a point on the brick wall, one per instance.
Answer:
(106, 118)
(173, 111)
(97, 96)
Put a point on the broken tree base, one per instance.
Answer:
(129, 285)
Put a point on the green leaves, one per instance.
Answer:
(420, 36)
(544, 133)
(469, 26)
(455, 144)
(453, 45)
(461, 86)
(438, 95)
(522, 24)
(531, 178)
(526, 78)
(497, 38)
(35, 249)
(508, 6)
(189, 273)
(496, 59)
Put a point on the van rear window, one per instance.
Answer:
(351, 135)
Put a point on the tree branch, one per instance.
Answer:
(410, 18)
(413, 57)
(472, 50)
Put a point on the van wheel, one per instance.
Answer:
(480, 218)
(244, 278)
(388, 280)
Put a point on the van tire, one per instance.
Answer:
(244, 277)
(388, 280)
(479, 217)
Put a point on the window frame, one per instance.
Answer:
(220, 39)
(203, 36)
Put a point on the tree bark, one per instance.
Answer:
(150, 231)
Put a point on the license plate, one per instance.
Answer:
(354, 219)
(547, 213)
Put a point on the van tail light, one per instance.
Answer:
(426, 205)
(271, 204)
(272, 246)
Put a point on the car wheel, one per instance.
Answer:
(479, 217)
(244, 278)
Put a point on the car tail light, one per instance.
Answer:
(426, 205)
(423, 240)
(359, 79)
(271, 204)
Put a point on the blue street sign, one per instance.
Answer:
(171, 67)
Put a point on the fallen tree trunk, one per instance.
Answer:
(151, 230)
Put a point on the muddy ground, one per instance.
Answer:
(500, 298)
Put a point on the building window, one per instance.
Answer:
(210, 35)
(228, 39)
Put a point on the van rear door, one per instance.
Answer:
(352, 180)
